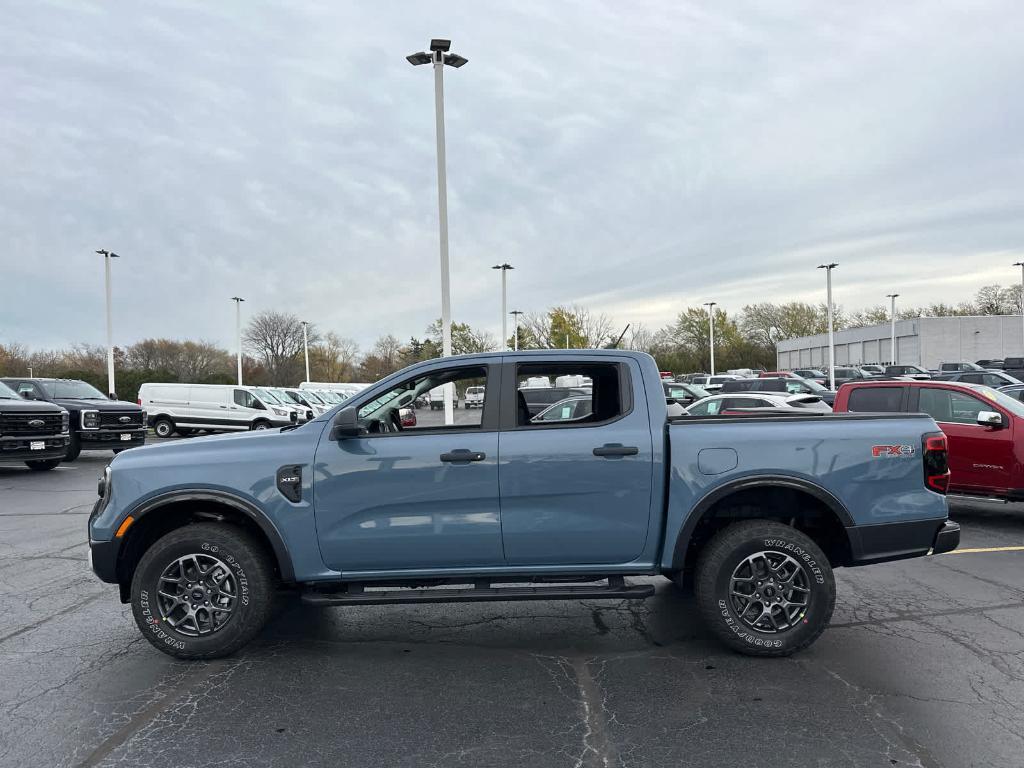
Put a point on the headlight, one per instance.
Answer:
(90, 419)
(280, 411)
(65, 422)
(104, 483)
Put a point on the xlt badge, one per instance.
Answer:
(289, 482)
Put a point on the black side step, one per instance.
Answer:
(615, 589)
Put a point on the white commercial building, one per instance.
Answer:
(925, 341)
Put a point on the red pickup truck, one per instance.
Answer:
(984, 427)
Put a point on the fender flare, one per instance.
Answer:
(247, 508)
(711, 498)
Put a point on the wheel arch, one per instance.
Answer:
(166, 512)
(814, 509)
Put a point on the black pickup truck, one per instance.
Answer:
(35, 433)
(97, 422)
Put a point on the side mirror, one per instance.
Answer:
(346, 424)
(990, 419)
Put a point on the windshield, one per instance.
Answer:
(72, 388)
(815, 386)
(311, 397)
(267, 395)
(328, 396)
(6, 393)
(285, 397)
(1016, 407)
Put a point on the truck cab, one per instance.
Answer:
(35, 433)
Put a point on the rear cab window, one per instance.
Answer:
(604, 397)
(876, 399)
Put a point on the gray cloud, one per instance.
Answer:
(634, 157)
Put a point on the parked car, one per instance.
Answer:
(994, 379)
(574, 408)
(872, 368)
(911, 371)
(811, 374)
(992, 365)
(717, 404)
(309, 399)
(407, 417)
(33, 432)
(475, 397)
(539, 398)
(714, 383)
(844, 375)
(1014, 366)
(985, 428)
(684, 394)
(793, 386)
(1016, 391)
(954, 367)
(97, 422)
(185, 408)
(780, 374)
(755, 512)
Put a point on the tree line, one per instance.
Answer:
(273, 343)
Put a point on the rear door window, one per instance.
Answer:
(876, 399)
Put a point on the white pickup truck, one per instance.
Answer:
(474, 397)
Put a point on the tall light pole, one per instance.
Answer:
(238, 333)
(305, 347)
(831, 331)
(1021, 265)
(107, 256)
(892, 318)
(504, 305)
(440, 57)
(711, 332)
(516, 313)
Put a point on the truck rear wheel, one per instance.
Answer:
(764, 588)
(202, 591)
(163, 427)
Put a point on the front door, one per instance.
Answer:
(980, 458)
(412, 497)
(575, 481)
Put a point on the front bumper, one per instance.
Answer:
(109, 439)
(884, 542)
(20, 448)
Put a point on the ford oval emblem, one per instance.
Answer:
(125, 419)
(37, 423)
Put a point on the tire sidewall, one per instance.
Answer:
(820, 603)
(163, 424)
(146, 610)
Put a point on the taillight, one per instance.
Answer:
(936, 462)
(139, 401)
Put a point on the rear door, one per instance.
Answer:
(576, 491)
(981, 458)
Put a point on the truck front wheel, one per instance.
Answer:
(202, 591)
(764, 588)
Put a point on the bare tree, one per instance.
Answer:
(334, 358)
(276, 339)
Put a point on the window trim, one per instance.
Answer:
(488, 416)
(510, 410)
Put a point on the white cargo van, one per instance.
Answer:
(185, 408)
(437, 396)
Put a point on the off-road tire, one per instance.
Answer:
(163, 427)
(42, 465)
(250, 566)
(713, 582)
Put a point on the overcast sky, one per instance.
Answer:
(633, 157)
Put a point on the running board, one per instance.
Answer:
(616, 589)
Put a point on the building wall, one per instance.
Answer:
(926, 341)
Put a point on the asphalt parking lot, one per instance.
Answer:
(923, 665)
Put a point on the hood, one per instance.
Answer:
(28, 406)
(96, 405)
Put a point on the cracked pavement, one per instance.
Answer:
(923, 665)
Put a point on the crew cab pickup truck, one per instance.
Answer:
(97, 422)
(351, 509)
(984, 427)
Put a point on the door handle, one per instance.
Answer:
(461, 455)
(614, 449)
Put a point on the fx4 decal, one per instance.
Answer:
(886, 451)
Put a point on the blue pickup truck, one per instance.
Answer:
(353, 508)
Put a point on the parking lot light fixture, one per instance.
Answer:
(107, 256)
(305, 347)
(238, 333)
(711, 331)
(1021, 265)
(440, 57)
(516, 313)
(504, 303)
(831, 330)
(892, 318)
